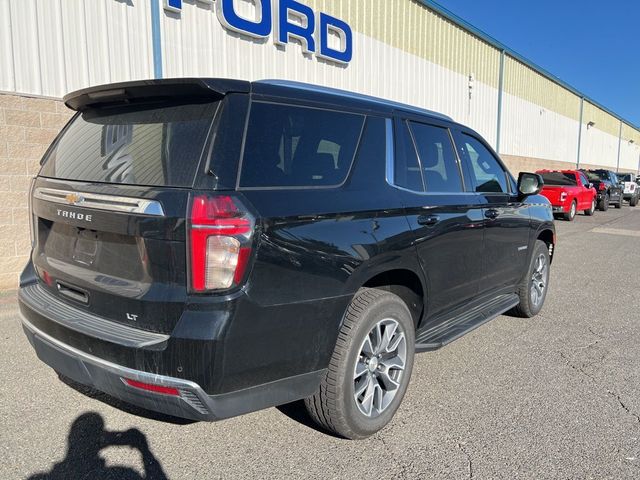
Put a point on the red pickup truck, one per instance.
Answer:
(569, 191)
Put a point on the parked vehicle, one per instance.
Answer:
(206, 247)
(631, 191)
(568, 191)
(608, 187)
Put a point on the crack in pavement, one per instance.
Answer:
(460, 446)
(580, 369)
(624, 407)
(400, 465)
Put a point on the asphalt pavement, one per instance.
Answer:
(557, 396)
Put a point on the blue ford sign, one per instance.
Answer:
(286, 20)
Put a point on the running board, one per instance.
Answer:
(459, 324)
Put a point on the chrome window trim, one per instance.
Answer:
(97, 201)
(390, 154)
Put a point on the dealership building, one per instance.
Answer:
(412, 51)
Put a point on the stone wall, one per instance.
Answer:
(518, 164)
(27, 127)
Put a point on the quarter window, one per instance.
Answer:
(489, 175)
(437, 158)
(291, 146)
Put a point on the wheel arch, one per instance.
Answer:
(548, 236)
(402, 281)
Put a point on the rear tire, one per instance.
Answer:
(620, 202)
(591, 210)
(604, 203)
(571, 214)
(634, 201)
(535, 284)
(360, 361)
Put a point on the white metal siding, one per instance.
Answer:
(197, 45)
(529, 130)
(599, 148)
(629, 156)
(51, 47)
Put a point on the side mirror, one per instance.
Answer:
(529, 184)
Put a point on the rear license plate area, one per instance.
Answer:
(86, 247)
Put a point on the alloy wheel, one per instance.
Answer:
(539, 280)
(379, 368)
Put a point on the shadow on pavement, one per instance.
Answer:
(297, 412)
(87, 437)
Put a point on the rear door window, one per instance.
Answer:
(294, 146)
(437, 158)
(153, 145)
(406, 170)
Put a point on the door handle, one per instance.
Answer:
(492, 213)
(428, 220)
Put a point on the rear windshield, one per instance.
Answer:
(625, 178)
(157, 145)
(559, 178)
(292, 146)
(597, 175)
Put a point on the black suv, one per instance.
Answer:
(608, 187)
(206, 248)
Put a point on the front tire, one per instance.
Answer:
(370, 367)
(533, 288)
(620, 202)
(591, 211)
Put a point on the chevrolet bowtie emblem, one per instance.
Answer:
(73, 198)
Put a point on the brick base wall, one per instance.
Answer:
(27, 127)
(518, 164)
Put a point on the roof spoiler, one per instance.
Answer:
(128, 92)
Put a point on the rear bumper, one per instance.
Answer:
(191, 401)
(199, 358)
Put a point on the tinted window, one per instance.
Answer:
(584, 180)
(626, 177)
(437, 158)
(559, 178)
(159, 145)
(488, 173)
(597, 175)
(406, 168)
(289, 146)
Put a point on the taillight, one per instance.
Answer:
(602, 187)
(221, 230)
